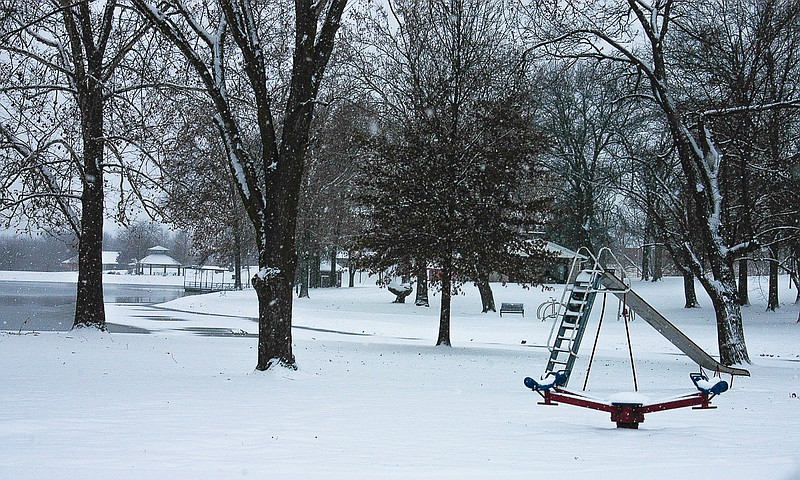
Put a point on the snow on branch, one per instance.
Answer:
(213, 78)
(47, 176)
(792, 103)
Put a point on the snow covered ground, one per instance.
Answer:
(373, 398)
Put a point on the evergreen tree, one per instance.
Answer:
(452, 170)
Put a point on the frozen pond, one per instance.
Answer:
(50, 306)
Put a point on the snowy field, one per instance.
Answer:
(374, 399)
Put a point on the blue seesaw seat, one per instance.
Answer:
(552, 379)
(715, 386)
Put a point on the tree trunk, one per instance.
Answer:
(744, 295)
(304, 274)
(351, 273)
(688, 290)
(333, 282)
(794, 274)
(795, 279)
(487, 298)
(444, 313)
(658, 270)
(724, 296)
(315, 278)
(89, 305)
(772, 300)
(422, 287)
(274, 291)
(277, 263)
(645, 262)
(237, 257)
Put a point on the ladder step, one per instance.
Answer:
(561, 350)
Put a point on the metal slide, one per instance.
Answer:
(664, 327)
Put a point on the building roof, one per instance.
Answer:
(563, 252)
(109, 258)
(559, 250)
(209, 268)
(325, 266)
(159, 259)
(158, 249)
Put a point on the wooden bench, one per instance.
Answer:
(512, 308)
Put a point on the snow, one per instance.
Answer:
(268, 272)
(373, 398)
(634, 398)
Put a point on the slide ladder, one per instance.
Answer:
(574, 310)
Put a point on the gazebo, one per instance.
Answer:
(157, 262)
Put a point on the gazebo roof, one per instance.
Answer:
(158, 249)
(159, 259)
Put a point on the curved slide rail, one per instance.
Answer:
(665, 327)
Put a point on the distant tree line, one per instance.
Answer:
(39, 253)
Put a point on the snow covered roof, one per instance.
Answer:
(325, 266)
(159, 259)
(109, 258)
(211, 268)
(563, 252)
(559, 250)
(158, 249)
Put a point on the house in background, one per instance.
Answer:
(157, 262)
(109, 262)
(560, 265)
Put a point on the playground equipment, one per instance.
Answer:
(568, 330)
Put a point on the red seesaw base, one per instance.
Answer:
(626, 415)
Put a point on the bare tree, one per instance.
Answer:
(327, 221)
(59, 60)
(585, 119)
(243, 46)
(605, 33)
(744, 54)
(201, 195)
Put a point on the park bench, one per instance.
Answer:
(512, 308)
